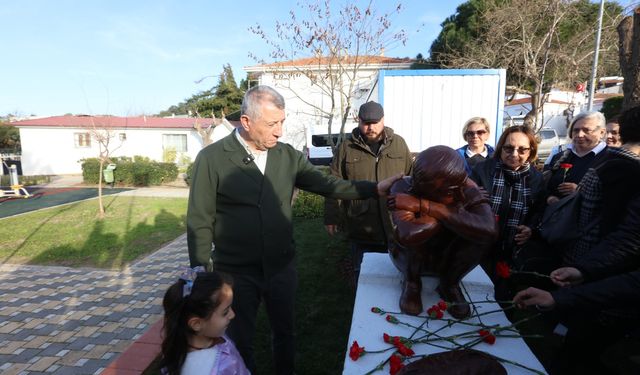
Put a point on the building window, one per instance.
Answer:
(176, 142)
(123, 136)
(82, 139)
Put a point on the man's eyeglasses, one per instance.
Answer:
(511, 149)
(584, 130)
(471, 133)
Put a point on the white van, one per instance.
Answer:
(318, 149)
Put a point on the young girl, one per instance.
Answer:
(197, 311)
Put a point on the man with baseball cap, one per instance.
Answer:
(373, 153)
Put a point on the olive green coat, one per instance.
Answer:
(247, 215)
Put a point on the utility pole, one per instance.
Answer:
(595, 59)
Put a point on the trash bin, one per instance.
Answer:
(108, 174)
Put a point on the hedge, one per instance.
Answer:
(136, 171)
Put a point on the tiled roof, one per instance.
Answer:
(309, 61)
(147, 122)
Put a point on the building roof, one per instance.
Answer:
(141, 122)
(324, 61)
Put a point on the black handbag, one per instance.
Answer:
(559, 223)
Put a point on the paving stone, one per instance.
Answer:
(53, 318)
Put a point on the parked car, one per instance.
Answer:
(319, 152)
(548, 140)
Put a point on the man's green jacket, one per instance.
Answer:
(247, 215)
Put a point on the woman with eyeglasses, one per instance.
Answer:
(476, 132)
(516, 190)
(587, 131)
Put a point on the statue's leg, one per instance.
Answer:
(461, 257)
(409, 261)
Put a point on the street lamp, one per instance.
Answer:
(595, 58)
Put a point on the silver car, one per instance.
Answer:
(548, 140)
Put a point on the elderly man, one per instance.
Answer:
(444, 226)
(587, 131)
(240, 206)
(373, 153)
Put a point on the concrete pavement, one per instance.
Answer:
(61, 320)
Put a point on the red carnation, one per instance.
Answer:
(356, 351)
(376, 310)
(434, 312)
(404, 350)
(566, 167)
(386, 338)
(392, 319)
(442, 305)
(395, 364)
(503, 270)
(487, 336)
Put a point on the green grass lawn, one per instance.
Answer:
(71, 235)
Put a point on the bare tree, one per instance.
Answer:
(206, 132)
(102, 131)
(541, 43)
(629, 35)
(336, 45)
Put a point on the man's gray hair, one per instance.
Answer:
(586, 116)
(255, 96)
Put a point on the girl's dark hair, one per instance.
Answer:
(533, 144)
(630, 125)
(202, 302)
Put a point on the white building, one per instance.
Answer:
(56, 145)
(306, 101)
(557, 111)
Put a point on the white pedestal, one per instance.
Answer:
(380, 286)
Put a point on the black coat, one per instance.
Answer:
(611, 270)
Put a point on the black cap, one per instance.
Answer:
(371, 112)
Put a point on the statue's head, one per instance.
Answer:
(439, 175)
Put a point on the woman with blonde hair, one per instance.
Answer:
(476, 132)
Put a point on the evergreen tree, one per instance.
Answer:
(225, 98)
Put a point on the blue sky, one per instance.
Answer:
(140, 57)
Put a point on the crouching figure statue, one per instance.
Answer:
(443, 226)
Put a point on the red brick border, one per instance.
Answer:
(139, 355)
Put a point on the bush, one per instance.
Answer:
(187, 177)
(139, 171)
(612, 107)
(169, 155)
(308, 205)
(5, 180)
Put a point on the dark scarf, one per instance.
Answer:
(510, 194)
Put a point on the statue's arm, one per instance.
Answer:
(471, 219)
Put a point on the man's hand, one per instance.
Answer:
(404, 202)
(567, 188)
(541, 299)
(384, 185)
(332, 229)
(552, 199)
(523, 233)
(567, 276)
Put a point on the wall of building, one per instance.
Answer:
(52, 151)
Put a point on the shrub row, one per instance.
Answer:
(136, 171)
(5, 180)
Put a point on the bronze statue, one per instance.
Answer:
(443, 225)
